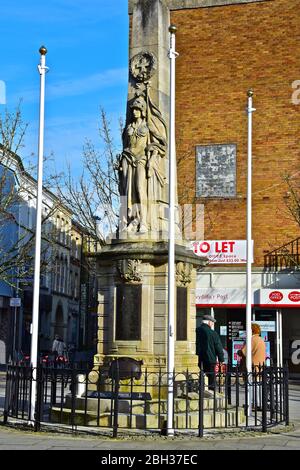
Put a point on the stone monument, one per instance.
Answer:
(132, 268)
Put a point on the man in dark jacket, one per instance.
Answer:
(209, 349)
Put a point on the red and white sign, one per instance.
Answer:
(294, 296)
(280, 297)
(222, 251)
(214, 297)
(276, 296)
(236, 297)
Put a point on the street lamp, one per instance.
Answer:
(250, 111)
(38, 235)
(171, 261)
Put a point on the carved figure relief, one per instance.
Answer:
(130, 270)
(184, 273)
(141, 170)
(143, 66)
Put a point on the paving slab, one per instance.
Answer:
(13, 439)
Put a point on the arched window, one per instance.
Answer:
(58, 228)
(59, 321)
(55, 277)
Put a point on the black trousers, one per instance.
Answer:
(209, 370)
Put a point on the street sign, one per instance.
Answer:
(15, 302)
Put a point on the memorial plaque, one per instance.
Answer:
(181, 323)
(216, 170)
(128, 322)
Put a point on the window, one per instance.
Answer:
(76, 286)
(73, 247)
(61, 270)
(71, 284)
(62, 232)
(216, 171)
(66, 276)
(31, 212)
(58, 228)
(56, 275)
(77, 248)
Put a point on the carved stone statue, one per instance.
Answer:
(141, 166)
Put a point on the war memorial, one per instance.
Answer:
(129, 385)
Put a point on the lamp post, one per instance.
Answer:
(38, 235)
(250, 111)
(171, 251)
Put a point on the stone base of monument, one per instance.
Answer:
(148, 414)
(133, 305)
(153, 380)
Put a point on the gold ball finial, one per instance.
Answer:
(172, 29)
(250, 93)
(43, 50)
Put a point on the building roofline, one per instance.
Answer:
(192, 4)
(19, 166)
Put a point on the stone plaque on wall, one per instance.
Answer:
(128, 321)
(181, 317)
(216, 170)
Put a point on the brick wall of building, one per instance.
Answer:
(223, 52)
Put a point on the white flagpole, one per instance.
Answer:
(250, 111)
(38, 235)
(171, 263)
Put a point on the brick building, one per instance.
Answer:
(224, 50)
(226, 47)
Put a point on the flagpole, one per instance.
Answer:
(250, 111)
(38, 235)
(171, 261)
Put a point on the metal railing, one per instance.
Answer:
(284, 258)
(77, 397)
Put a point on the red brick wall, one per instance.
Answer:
(223, 52)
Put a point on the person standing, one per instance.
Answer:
(209, 349)
(58, 346)
(258, 348)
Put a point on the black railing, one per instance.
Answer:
(78, 397)
(286, 257)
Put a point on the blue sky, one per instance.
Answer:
(87, 42)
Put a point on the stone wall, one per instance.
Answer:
(223, 52)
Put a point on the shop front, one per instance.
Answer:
(276, 311)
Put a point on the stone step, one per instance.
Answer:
(181, 405)
(149, 421)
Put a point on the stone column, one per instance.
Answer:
(150, 32)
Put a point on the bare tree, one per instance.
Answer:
(16, 238)
(293, 200)
(93, 196)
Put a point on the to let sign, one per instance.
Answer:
(223, 251)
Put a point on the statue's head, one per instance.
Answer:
(140, 104)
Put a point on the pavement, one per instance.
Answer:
(12, 438)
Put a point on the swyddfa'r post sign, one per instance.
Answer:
(222, 251)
